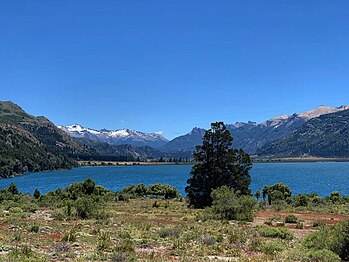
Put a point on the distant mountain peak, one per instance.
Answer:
(322, 110)
(117, 137)
(197, 130)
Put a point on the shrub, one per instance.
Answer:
(13, 189)
(335, 197)
(319, 223)
(15, 210)
(208, 240)
(37, 194)
(85, 208)
(335, 239)
(299, 226)
(123, 197)
(34, 228)
(88, 186)
(301, 200)
(271, 232)
(279, 204)
(272, 247)
(70, 236)
(291, 219)
(278, 191)
(58, 215)
(125, 246)
(323, 255)
(104, 241)
(228, 205)
(156, 204)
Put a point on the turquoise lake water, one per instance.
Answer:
(322, 178)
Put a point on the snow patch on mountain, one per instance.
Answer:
(117, 137)
(119, 133)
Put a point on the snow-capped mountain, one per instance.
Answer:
(251, 136)
(116, 137)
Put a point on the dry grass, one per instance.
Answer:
(137, 231)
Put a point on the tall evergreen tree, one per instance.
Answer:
(217, 165)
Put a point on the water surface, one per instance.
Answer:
(321, 177)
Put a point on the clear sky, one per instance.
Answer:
(171, 65)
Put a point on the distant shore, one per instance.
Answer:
(129, 163)
(256, 160)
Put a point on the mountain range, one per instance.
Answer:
(29, 143)
(250, 136)
(324, 136)
(116, 137)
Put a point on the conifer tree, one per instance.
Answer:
(217, 165)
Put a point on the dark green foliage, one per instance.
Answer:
(301, 200)
(335, 197)
(154, 190)
(29, 144)
(228, 205)
(88, 186)
(334, 238)
(276, 192)
(257, 194)
(85, 207)
(13, 189)
(34, 228)
(37, 194)
(291, 219)
(217, 165)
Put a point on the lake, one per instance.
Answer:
(320, 177)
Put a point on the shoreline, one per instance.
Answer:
(271, 160)
(128, 163)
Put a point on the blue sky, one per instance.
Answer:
(174, 64)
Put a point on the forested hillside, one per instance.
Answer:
(29, 143)
(325, 136)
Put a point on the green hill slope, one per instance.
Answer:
(29, 143)
(325, 136)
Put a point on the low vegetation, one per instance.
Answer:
(86, 222)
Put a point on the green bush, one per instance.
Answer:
(85, 208)
(278, 191)
(323, 255)
(123, 197)
(15, 210)
(155, 190)
(34, 228)
(301, 200)
(291, 219)
(335, 239)
(272, 232)
(13, 189)
(228, 205)
(272, 247)
(37, 194)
